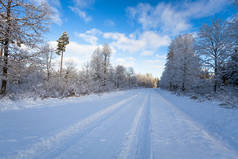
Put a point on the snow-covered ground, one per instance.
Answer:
(140, 123)
(7, 104)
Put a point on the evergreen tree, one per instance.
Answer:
(62, 42)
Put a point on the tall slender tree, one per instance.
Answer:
(47, 52)
(96, 68)
(106, 53)
(62, 42)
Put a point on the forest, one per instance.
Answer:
(205, 63)
(27, 61)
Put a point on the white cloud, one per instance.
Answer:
(162, 15)
(56, 3)
(81, 13)
(56, 16)
(90, 36)
(154, 39)
(156, 65)
(54, 7)
(147, 53)
(93, 31)
(83, 3)
(158, 61)
(126, 62)
(172, 18)
(161, 57)
(124, 43)
(79, 8)
(137, 43)
(204, 8)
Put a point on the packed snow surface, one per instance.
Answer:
(140, 123)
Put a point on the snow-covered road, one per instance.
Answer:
(141, 123)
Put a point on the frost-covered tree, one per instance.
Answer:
(86, 79)
(71, 82)
(61, 46)
(230, 70)
(146, 80)
(187, 62)
(212, 47)
(131, 76)
(120, 75)
(22, 23)
(47, 53)
(182, 67)
(97, 69)
(168, 76)
(106, 53)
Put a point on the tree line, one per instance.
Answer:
(26, 60)
(205, 63)
(97, 75)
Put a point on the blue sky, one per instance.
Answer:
(138, 31)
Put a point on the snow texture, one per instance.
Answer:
(140, 123)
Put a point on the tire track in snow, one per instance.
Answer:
(142, 142)
(132, 133)
(218, 146)
(49, 143)
(195, 125)
(85, 148)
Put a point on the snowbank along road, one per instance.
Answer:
(135, 124)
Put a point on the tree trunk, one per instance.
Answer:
(117, 83)
(48, 75)
(129, 82)
(105, 70)
(183, 87)
(1, 50)
(215, 73)
(61, 62)
(215, 86)
(215, 81)
(5, 69)
(49, 58)
(6, 45)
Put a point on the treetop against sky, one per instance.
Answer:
(138, 31)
